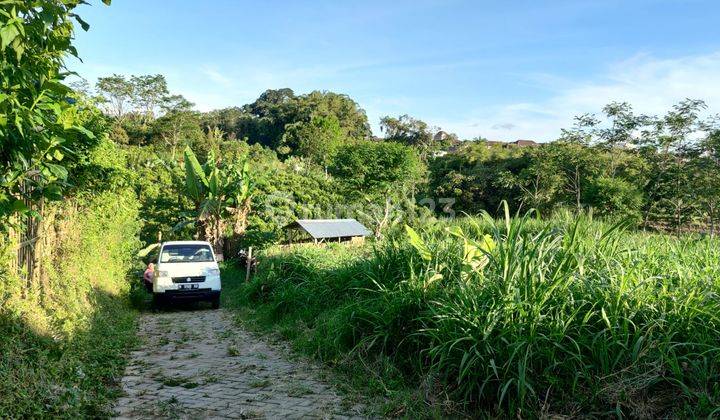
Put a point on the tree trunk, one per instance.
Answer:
(382, 222)
(711, 216)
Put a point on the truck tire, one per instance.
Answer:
(158, 301)
(215, 302)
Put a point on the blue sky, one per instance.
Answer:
(501, 69)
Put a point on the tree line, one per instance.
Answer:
(309, 152)
(660, 172)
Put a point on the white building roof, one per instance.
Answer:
(330, 228)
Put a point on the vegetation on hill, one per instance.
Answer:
(659, 171)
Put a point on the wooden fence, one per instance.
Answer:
(26, 234)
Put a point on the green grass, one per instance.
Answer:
(65, 334)
(571, 316)
(43, 377)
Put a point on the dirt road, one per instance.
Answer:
(200, 364)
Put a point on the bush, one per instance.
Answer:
(64, 335)
(567, 316)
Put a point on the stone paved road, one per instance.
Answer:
(200, 364)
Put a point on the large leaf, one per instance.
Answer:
(83, 24)
(214, 182)
(145, 251)
(417, 243)
(8, 34)
(195, 180)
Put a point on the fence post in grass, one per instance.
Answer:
(248, 264)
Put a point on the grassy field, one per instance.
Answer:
(512, 317)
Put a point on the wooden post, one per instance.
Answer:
(248, 265)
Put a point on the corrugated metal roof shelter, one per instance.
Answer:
(329, 230)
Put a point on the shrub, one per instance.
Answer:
(567, 316)
(64, 334)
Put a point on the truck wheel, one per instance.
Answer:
(158, 301)
(215, 302)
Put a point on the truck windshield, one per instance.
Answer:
(186, 253)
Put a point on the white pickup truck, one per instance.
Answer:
(186, 271)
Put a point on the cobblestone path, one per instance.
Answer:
(200, 364)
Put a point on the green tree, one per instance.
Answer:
(667, 144)
(117, 92)
(268, 119)
(540, 181)
(39, 123)
(351, 119)
(179, 123)
(221, 195)
(379, 173)
(406, 130)
(149, 92)
(706, 182)
(317, 139)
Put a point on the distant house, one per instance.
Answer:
(440, 136)
(512, 144)
(326, 230)
(522, 143)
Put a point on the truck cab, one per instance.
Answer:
(186, 271)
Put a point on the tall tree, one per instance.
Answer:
(351, 119)
(706, 182)
(117, 92)
(416, 133)
(667, 144)
(178, 124)
(317, 139)
(149, 92)
(406, 130)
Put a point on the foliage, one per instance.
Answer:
(372, 168)
(317, 139)
(220, 194)
(39, 127)
(652, 169)
(279, 112)
(413, 132)
(66, 331)
(565, 317)
(116, 92)
(179, 124)
(378, 173)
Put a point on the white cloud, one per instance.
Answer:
(649, 84)
(217, 77)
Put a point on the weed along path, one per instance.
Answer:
(199, 364)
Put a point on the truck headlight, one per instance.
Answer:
(162, 274)
(213, 272)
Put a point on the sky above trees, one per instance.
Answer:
(492, 69)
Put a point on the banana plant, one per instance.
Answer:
(221, 195)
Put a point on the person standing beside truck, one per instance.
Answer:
(148, 277)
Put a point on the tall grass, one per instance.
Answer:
(568, 316)
(64, 339)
